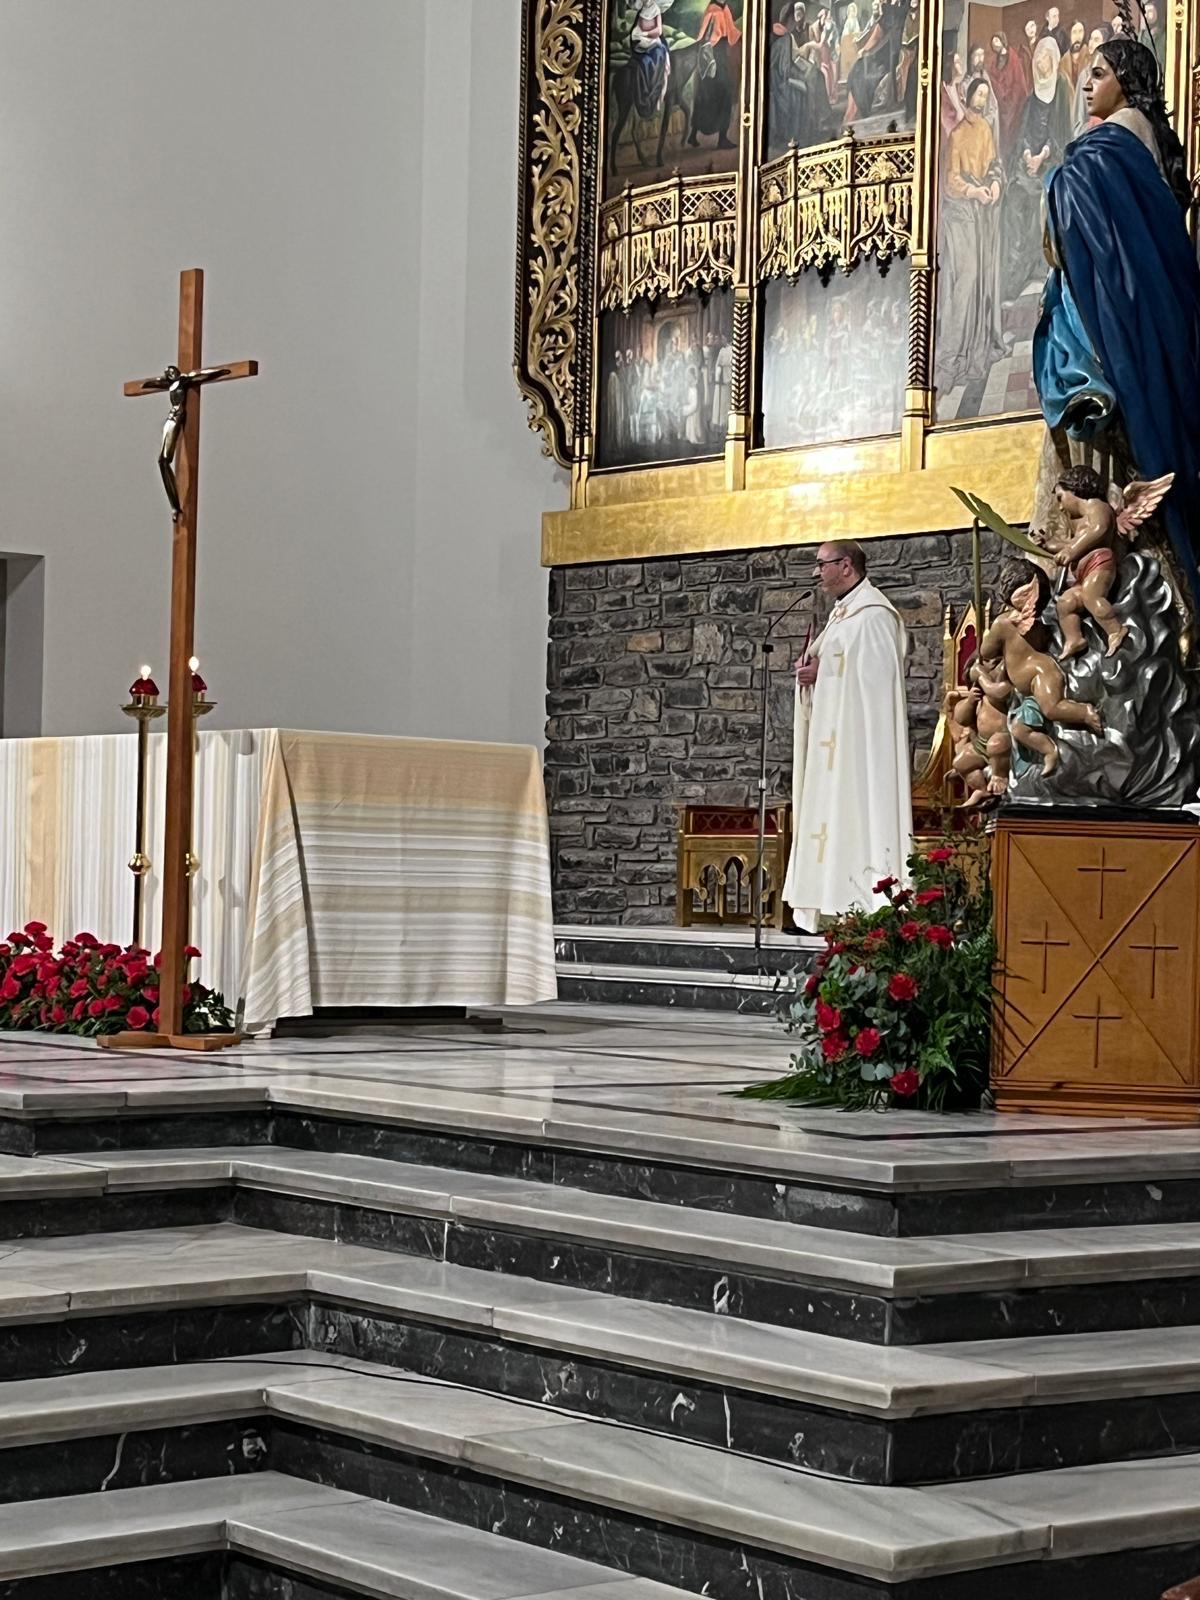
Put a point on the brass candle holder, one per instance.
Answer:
(143, 706)
(201, 706)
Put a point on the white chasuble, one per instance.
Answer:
(851, 782)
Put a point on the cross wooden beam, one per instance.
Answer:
(181, 443)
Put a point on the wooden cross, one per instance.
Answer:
(1047, 944)
(1096, 1017)
(821, 840)
(1155, 950)
(180, 747)
(830, 744)
(1103, 869)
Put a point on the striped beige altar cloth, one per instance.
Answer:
(335, 869)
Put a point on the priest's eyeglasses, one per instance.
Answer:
(830, 561)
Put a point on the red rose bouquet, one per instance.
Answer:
(90, 988)
(897, 1009)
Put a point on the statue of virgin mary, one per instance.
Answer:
(1117, 350)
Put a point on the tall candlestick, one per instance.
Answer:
(201, 706)
(143, 706)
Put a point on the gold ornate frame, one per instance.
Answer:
(829, 206)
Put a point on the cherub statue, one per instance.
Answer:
(979, 728)
(1016, 638)
(1092, 550)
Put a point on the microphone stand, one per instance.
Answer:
(768, 649)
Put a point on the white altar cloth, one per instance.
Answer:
(335, 869)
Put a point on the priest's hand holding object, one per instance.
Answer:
(806, 672)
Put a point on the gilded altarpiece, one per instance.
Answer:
(763, 200)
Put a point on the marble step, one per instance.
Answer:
(686, 988)
(693, 1145)
(880, 1415)
(729, 950)
(389, 1437)
(879, 1289)
(297, 1527)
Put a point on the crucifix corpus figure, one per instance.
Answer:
(180, 441)
(851, 788)
(177, 384)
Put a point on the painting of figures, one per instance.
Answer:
(674, 88)
(664, 380)
(1012, 98)
(844, 63)
(835, 356)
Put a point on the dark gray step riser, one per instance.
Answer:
(186, 1130)
(134, 1459)
(822, 1439)
(904, 1214)
(193, 1577)
(682, 955)
(649, 992)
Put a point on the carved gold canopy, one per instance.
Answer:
(591, 248)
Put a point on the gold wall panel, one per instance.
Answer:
(831, 205)
(672, 237)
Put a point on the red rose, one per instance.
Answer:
(902, 898)
(43, 944)
(88, 941)
(940, 934)
(154, 1016)
(812, 984)
(829, 1018)
(867, 1041)
(836, 949)
(80, 986)
(35, 928)
(191, 953)
(113, 1002)
(10, 989)
(78, 1009)
(138, 1017)
(884, 885)
(96, 1009)
(833, 1046)
(150, 993)
(902, 987)
(876, 938)
(22, 964)
(58, 1016)
(929, 897)
(943, 853)
(906, 1083)
(910, 931)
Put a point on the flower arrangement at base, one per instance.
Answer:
(897, 1010)
(92, 988)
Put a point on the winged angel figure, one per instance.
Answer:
(1089, 553)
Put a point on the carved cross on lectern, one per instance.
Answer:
(179, 461)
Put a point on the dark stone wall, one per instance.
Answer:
(653, 696)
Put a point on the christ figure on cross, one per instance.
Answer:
(177, 384)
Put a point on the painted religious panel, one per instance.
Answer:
(835, 355)
(840, 64)
(1012, 97)
(674, 89)
(664, 378)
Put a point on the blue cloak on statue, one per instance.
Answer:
(1119, 335)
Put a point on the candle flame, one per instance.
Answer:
(144, 670)
(194, 664)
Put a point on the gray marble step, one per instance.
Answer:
(885, 1534)
(797, 1254)
(303, 1528)
(123, 1273)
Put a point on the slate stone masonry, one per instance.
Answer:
(653, 699)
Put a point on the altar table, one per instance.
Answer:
(335, 869)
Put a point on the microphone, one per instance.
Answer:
(801, 599)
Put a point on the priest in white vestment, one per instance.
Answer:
(851, 775)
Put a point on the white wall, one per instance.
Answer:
(345, 172)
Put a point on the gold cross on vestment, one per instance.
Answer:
(1096, 1017)
(1155, 949)
(829, 744)
(841, 661)
(821, 840)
